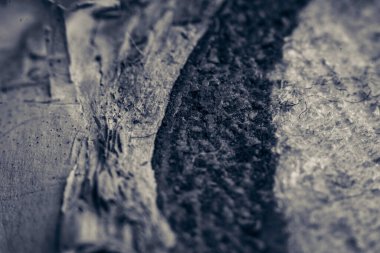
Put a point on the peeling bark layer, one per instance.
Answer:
(213, 159)
(125, 58)
(99, 119)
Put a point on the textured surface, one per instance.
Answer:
(36, 131)
(99, 119)
(213, 159)
(268, 141)
(326, 109)
(123, 83)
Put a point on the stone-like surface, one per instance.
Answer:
(213, 159)
(327, 113)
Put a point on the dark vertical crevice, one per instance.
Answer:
(213, 156)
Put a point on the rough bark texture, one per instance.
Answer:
(213, 159)
(269, 141)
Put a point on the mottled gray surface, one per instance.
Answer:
(327, 113)
(84, 85)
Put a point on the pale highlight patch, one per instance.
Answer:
(326, 109)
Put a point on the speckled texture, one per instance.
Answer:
(123, 83)
(326, 110)
(36, 131)
(84, 86)
(213, 159)
(99, 120)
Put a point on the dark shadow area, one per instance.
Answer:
(213, 156)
